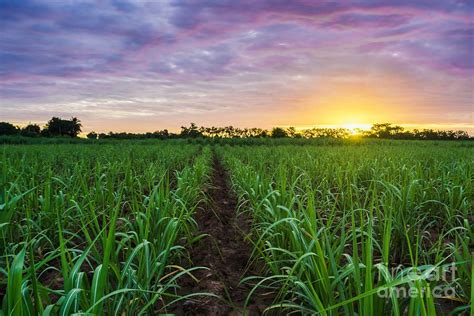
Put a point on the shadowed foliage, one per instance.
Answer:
(8, 129)
(31, 130)
(61, 127)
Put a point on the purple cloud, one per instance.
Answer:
(191, 55)
(368, 20)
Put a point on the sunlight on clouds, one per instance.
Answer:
(263, 63)
(348, 108)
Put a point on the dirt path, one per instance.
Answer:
(224, 252)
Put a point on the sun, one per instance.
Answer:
(355, 128)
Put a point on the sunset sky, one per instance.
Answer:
(147, 65)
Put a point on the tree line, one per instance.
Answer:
(55, 127)
(72, 128)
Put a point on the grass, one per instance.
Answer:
(94, 229)
(338, 225)
(344, 227)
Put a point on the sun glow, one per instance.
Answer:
(351, 106)
(356, 128)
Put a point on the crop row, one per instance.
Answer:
(360, 230)
(88, 229)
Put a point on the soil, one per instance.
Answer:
(225, 252)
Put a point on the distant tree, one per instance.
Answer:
(262, 132)
(326, 133)
(92, 135)
(31, 130)
(230, 132)
(192, 131)
(461, 135)
(385, 130)
(74, 127)
(278, 132)
(60, 127)
(162, 134)
(8, 129)
(291, 131)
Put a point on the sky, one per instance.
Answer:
(146, 65)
